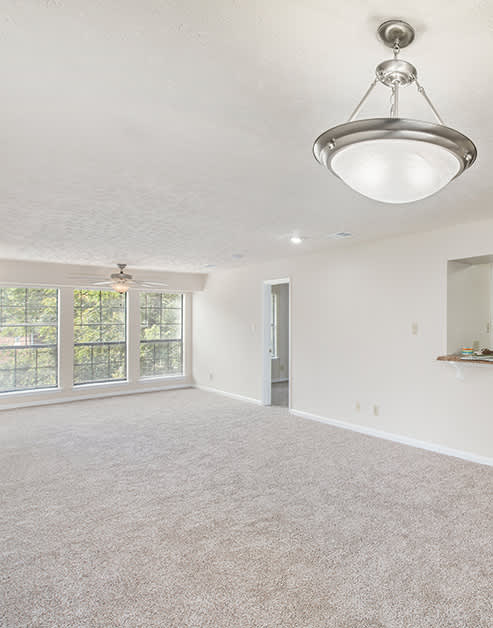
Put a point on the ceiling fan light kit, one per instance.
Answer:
(392, 159)
(122, 280)
(120, 286)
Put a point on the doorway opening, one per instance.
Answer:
(277, 336)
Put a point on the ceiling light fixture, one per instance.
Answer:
(395, 160)
(120, 286)
(296, 240)
(120, 281)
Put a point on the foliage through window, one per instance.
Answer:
(28, 338)
(161, 334)
(100, 336)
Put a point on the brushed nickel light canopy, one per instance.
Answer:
(392, 159)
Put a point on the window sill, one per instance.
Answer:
(30, 391)
(117, 382)
(91, 391)
(159, 378)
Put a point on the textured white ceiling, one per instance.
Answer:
(174, 134)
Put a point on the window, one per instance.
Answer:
(273, 322)
(161, 334)
(100, 334)
(28, 338)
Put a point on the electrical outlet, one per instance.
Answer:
(414, 329)
(211, 376)
(357, 406)
(376, 410)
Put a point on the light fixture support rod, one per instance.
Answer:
(357, 109)
(421, 90)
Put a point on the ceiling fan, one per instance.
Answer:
(122, 281)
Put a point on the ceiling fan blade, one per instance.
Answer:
(91, 280)
(152, 283)
(81, 274)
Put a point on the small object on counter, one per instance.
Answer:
(467, 350)
(486, 352)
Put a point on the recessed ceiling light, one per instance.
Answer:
(296, 240)
(237, 255)
(209, 266)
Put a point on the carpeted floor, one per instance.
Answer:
(185, 509)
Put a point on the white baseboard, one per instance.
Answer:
(280, 381)
(405, 440)
(228, 394)
(108, 393)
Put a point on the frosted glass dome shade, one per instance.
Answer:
(395, 171)
(394, 160)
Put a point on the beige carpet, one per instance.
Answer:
(186, 509)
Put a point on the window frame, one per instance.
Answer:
(125, 342)
(38, 389)
(181, 340)
(65, 390)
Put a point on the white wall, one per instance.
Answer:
(468, 306)
(280, 364)
(60, 276)
(352, 312)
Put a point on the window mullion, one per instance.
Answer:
(66, 337)
(133, 336)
